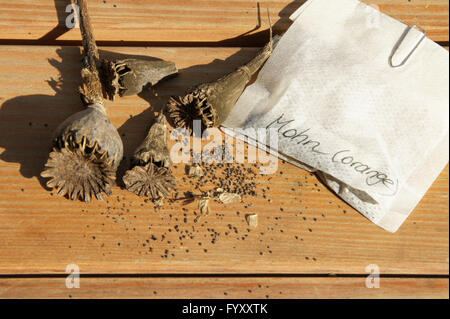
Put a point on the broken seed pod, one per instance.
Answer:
(150, 173)
(195, 171)
(87, 148)
(203, 206)
(211, 103)
(227, 198)
(252, 220)
(154, 148)
(129, 76)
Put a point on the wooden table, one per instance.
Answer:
(308, 244)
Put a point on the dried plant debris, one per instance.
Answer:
(195, 171)
(129, 76)
(159, 203)
(203, 206)
(150, 173)
(211, 103)
(227, 198)
(201, 197)
(190, 197)
(87, 148)
(252, 220)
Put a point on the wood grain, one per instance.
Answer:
(225, 288)
(190, 20)
(303, 228)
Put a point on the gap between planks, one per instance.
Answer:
(144, 44)
(225, 288)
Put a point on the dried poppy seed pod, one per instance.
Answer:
(129, 76)
(87, 150)
(212, 102)
(151, 173)
(154, 149)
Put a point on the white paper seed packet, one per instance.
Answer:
(350, 101)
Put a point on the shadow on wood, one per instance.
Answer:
(27, 122)
(260, 38)
(60, 28)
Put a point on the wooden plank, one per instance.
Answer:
(302, 229)
(189, 20)
(225, 288)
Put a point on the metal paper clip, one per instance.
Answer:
(399, 42)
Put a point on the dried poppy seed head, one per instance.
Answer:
(151, 173)
(211, 103)
(183, 110)
(87, 150)
(154, 148)
(150, 180)
(129, 76)
(78, 175)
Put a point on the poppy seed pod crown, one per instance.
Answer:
(129, 76)
(87, 150)
(211, 103)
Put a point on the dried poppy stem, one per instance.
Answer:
(87, 148)
(91, 91)
(211, 103)
(123, 77)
